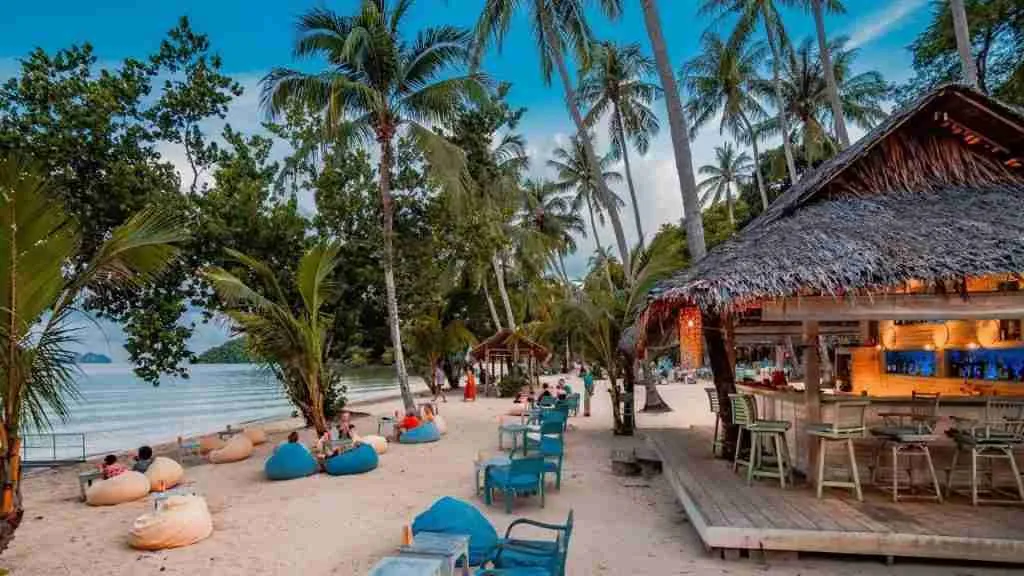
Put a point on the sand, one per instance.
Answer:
(342, 525)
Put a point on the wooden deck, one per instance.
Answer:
(729, 515)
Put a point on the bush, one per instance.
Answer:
(387, 357)
(510, 385)
(357, 356)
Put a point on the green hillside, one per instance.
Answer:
(230, 352)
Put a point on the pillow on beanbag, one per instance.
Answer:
(208, 444)
(358, 460)
(183, 520)
(166, 471)
(426, 432)
(239, 447)
(124, 487)
(442, 426)
(256, 435)
(379, 443)
(290, 461)
(454, 516)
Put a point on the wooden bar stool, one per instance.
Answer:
(765, 435)
(993, 438)
(716, 409)
(907, 435)
(847, 425)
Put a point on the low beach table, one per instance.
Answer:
(514, 430)
(408, 566)
(85, 480)
(481, 466)
(449, 547)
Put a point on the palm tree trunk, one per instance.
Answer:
(500, 276)
(588, 146)
(490, 306)
(11, 510)
(830, 76)
(620, 135)
(728, 204)
(963, 43)
(316, 398)
(680, 135)
(787, 146)
(757, 162)
(387, 212)
(565, 273)
(597, 240)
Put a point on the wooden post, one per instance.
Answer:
(812, 392)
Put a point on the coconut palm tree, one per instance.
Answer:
(749, 15)
(722, 81)
(376, 85)
(559, 25)
(615, 85)
(678, 131)
(818, 8)
(724, 178)
(431, 341)
(40, 292)
(548, 222)
(963, 42)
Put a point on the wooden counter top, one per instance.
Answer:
(797, 396)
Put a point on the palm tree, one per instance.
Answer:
(750, 14)
(39, 293)
(615, 82)
(724, 177)
(431, 341)
(963, 42)
(558, 25)
(375, 85)
(549, 222)
(678, 131)
(835, 7)
(722, 80)
(294, 340)
(510, 160)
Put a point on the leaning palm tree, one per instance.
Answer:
(963, 43)
(39, 292)
(615, 85)
(559, 26)
(724, 178)
(818, 9)
(375, 86)
(722, 80)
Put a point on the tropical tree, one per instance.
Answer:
(724, 178)
(559, 25)
(548, 223)
(677, 129)
(40, 290)
(963, 42)
(430, 341)
(375, 86)
(818, 8)
(721, 80)
(615, 85)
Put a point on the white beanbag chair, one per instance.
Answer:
(256, 435)
(164, 473)
(517, 409)
(379, 443)
(208, 444)
(239, 447)
(124, 487)
(182, 521)
(442, 426)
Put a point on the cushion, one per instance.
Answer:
(502, 476)
(239, 447)
(164, 473)
(290, 461)
(183, 520)
(208, 444)
(358, 460)
(453, 516)
(256, 435)
(442, 426)
(379, 443)
(426, 432)
(124, 487)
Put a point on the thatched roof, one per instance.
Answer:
(935, 192)
(506, 343)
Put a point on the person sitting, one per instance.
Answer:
(560, 389)
(545, 392)
(293, 438)
(143, 459)
(111, 467)
(346, 428)
(428, 413)
(408, 423)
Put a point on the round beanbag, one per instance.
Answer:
(517, 409)
(208, 444)
(452, 516)
(256, 435)
(442, 426)
(426, 432)
(239, 447)
(182, 521)
(358, 460)
(379, 443)
(290, 461)
(164, 473)
(124, 487)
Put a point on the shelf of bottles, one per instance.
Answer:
(910, 362)
(983, 364)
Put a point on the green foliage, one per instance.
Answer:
(357, 357)
(429, 341)
(511, 384)
(234, 351)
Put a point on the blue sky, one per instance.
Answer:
(253, 36)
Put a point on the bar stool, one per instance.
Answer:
(993, 438)
(716, 409)
(847, 425)
(908, 434)
(759, 465)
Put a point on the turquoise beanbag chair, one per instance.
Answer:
(458, 517)
(358, 460)
(425, 432)
(290, 461)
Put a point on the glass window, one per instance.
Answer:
(910, 362)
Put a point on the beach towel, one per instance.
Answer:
(290, 461)
(182, 521)
(453, 516)
(239, 447)
(358, 460)
(124, 487)
(164, 473)
(426, 432)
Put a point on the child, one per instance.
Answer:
(143, 459)
(111, 468)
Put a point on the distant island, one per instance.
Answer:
(93, 358)
(230, 352)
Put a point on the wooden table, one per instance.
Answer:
(85, 479)
(408, 566)
(481, 466)
(514, 430)
(449, 547)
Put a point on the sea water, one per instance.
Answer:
(116, 410)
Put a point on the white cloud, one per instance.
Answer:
(879, 22)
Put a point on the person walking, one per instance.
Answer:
(588, 390)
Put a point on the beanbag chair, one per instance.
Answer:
(164, 473)
(442, 426)
(358, 460)
(182, 521)
(124, 487)
(453, 516)
(290, 461)
(426, 432)
(239, 447)
(379, 443)
(256, 435)
(517, 409)
(208, 444)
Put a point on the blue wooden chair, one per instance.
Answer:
(574, 403)
(517, 557)
(547, 402)
(522, 476)
(550, 446)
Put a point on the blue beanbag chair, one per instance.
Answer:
(425, 432)
(454, 516)
(290, 461)
(358, 460)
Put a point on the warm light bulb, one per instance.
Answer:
(972, 345)
(929, 347)
(689, 323)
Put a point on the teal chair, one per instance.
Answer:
(574, 403)
(550, 446)
(547, 402)
(517, 557)
(522, 476)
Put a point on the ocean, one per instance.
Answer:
(117, 411)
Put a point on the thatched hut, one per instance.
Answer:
(506, 349)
